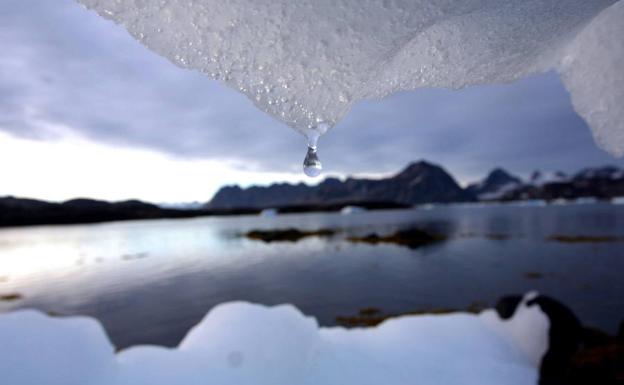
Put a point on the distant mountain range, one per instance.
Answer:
(25, 212)
(423, 182)
(602, 183)
(419, 183)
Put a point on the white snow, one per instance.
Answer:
(500, 191)
(307, 62)
(542, 178)
(241, 343)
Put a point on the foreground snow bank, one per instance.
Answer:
(307, 61)
(241, 343)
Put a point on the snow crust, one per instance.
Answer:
(307, 62)
(241, 343)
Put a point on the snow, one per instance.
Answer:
(307, 62)
(242, 343)
(500, 192)
(541, 178)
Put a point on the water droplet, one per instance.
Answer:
(312, 166)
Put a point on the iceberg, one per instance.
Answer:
(307, 62)
(241, 343)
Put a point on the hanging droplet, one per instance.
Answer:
(312, 166)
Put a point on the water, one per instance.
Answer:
(312, 166)
(150, 281)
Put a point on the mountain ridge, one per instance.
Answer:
(419, 182)
(423, 182)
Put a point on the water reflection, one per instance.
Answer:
(171, 272)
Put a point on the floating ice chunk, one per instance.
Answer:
(306, 62)
(240, 343)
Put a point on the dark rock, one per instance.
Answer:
(497, 180)
(564, 340)
(286, 235)
(506, 306)
(10, 297)
(599, 361)
(412, 238)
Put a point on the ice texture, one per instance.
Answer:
(240, 343)
(592, 69)
(307, 61)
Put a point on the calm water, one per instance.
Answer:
(150, 281)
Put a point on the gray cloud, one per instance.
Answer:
(63, 65)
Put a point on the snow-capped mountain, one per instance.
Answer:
(495, 185)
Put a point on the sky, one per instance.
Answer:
(86, 111)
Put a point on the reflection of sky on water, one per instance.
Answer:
(173, 271)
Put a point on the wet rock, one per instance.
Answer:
(506, 306)
(576, 355)
(287, 235)
(412, 238)
(11, 297)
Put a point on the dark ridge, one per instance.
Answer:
(495, 180)
(420, 182)
(29, 212)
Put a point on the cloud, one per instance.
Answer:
(63, 66)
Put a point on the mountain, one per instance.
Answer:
(600, 182)
(24, 212)
(420, 182)
(495, 185)
(539, 178)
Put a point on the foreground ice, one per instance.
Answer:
(307, 61)
(240, 343)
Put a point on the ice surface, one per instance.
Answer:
(307, 61)
(592, 70)
(240, 343)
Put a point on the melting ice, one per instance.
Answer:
(244, 344)
(309, 61)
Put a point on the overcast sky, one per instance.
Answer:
(87, 111)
